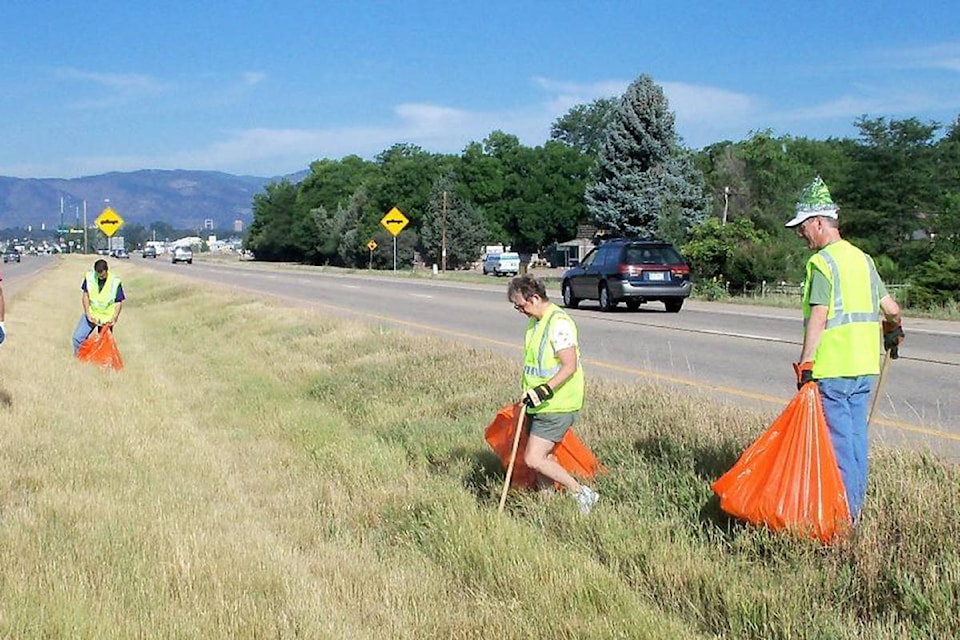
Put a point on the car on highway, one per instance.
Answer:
(11, 255)
(629, 270)
(502, 264)
(149, 252)
(122, 254)
(182, 254)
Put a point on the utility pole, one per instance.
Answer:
(726, 204)
(443, 235)
(85, 226)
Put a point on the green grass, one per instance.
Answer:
(257, 471)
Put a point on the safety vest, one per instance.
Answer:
(540, 363)
(850, 345)
(102, 299)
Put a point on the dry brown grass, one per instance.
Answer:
(264, 472)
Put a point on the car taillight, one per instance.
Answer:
(680, 272)
(630, 270)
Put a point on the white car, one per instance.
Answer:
(502, 264)
(182, 254)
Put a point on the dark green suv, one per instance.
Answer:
(632, 271)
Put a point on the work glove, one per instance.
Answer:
(3, 333)
(804, 371)
(536, 396)
(892, 337)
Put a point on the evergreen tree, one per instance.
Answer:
(642, 173)
(457, 220)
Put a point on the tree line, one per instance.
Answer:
(617, 164)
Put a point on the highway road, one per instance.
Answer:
(735, 353)
(730, 352)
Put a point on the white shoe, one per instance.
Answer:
(586, 498)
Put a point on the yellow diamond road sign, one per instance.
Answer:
(371, 245)
(394, 221)
(108, 221)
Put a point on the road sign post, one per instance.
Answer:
(394, 221)
(371, 245)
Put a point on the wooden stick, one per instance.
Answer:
(513, 456)
(876, 392)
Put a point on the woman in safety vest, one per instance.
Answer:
(552, 381)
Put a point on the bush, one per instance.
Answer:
(936, 283)
(715, 288)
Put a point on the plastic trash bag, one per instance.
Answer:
(788, 478)
(571, 453)
(100, 348)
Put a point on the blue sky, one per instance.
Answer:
(265, 88)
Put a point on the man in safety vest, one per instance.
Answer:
(843, 297)
(552, 381)
(102, 300)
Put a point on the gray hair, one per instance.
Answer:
(528, 286)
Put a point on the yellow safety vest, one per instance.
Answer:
(102, 299)
(850, 345)
(540, 363)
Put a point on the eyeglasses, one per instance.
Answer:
(520, 306)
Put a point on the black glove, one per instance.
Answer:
(539, 394)
(804, 371)
(892, 337)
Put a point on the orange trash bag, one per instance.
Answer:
(100, 348)
(788, 478)
(571, 453)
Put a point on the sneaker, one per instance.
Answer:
(586, 498)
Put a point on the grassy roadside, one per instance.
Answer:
(258, 471)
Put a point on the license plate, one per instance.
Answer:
(655, 275)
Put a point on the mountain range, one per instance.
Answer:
(183, 199)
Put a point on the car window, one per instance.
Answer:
(665, 255)
(590, 258)
(613, 258)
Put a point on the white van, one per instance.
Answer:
(502, 264)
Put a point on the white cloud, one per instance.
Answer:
(704, 114)
(944, 56)
(126, 82)
(253, 77)
(436, 127)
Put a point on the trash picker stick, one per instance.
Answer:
(876, 392)
(513, 456)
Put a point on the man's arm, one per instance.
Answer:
(116, 312)
(813, 331)
(3, 306)
(890, 309)
(85, 301)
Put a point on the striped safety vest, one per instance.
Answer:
(850, 345)
(102, 299)
(540, 363)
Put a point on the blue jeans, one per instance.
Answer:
(84, 329)
(845, 405)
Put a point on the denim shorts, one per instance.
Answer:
(551, 426)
